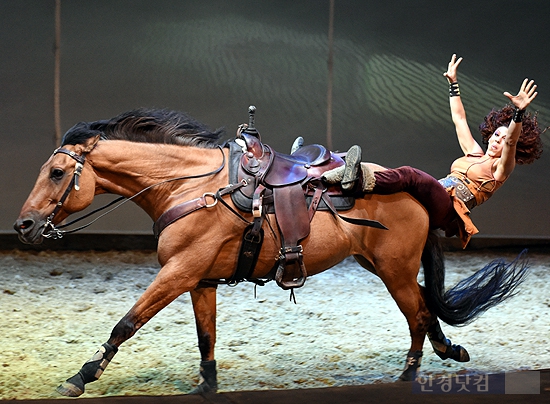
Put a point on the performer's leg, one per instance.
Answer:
(422, 186)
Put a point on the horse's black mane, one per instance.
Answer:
(147, 126)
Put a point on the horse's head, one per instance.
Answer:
(65, 184)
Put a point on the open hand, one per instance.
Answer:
(451, 69)
(525, 95)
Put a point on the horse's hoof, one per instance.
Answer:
(407, 376)
(414, 358)
(208, 378)
(73, 387)
(460, 354)
(202, 389)
(454, 352)
(69, 390)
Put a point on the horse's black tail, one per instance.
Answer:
(472, 296)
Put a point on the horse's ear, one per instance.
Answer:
(88, 145)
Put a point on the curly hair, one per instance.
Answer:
(529, 146)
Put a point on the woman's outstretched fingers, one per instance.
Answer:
(452, 67)
(525, 95)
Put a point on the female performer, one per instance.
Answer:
(511, 135)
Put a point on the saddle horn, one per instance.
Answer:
(251, 129)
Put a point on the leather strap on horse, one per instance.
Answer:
(292, 217)
(315, 200)
(182, 210)
(253, 238)
(362, 222)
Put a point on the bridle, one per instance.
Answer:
(53, 232)
(50, 231)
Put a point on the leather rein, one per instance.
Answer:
(55, 232)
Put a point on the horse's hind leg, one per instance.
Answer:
(408, 295)
(443, 347)
(204, 306)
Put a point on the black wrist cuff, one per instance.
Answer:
(518, 115)
(454, 90)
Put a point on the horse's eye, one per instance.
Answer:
(57, 174)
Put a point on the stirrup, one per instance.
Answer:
(296, 253)
(353, 162)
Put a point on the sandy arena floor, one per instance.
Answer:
(56, 308)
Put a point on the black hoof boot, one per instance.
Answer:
(451, 351)
(414, 358)
(73, 387)
(208, 382)
(443, 347)
(91, 371)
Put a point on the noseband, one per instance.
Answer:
(50, 231)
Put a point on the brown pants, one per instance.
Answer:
(421, 186)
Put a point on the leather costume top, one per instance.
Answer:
(475, 172)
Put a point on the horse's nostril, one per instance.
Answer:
(24, 224)
(27, 223)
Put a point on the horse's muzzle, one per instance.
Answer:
(29, 230)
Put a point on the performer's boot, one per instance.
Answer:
(353, 161)
(298, 143)
(351, 173)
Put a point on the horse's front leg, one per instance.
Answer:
(204, 306)
(166, 287)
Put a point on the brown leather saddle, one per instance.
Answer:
(290, 187)
(263, 181)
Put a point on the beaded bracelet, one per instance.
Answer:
(454, 91)
(518, 115)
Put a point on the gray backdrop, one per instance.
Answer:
(214, 58)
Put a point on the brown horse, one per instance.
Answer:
(161, 158)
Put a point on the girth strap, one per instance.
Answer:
(253, 238)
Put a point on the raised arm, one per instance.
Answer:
(458, 113)
(521, 101)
